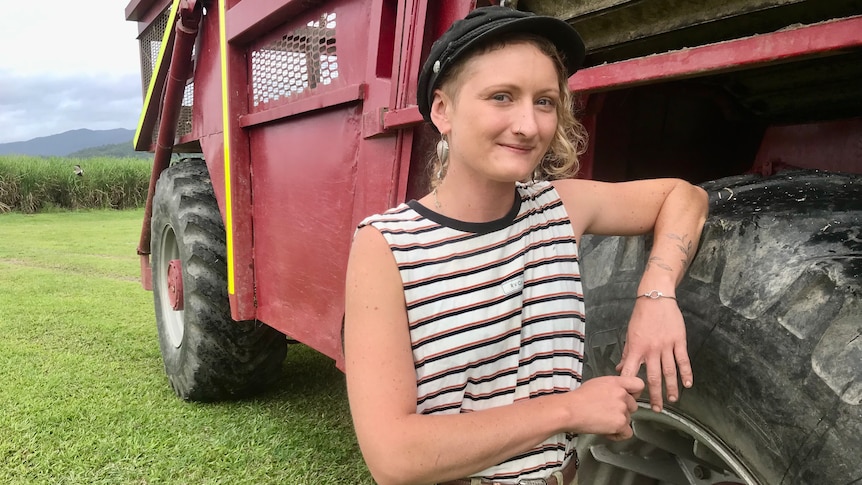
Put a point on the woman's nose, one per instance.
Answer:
(524, 123)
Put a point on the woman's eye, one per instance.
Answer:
(501, 97)
(546, 102)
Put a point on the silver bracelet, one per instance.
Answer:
(655, 295)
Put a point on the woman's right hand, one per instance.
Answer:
(604, 405)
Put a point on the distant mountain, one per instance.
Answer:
(68, 142)
(117, 150)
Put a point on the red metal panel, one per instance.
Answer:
(424, 23)
(208, 124)
(410, 31)
(328, 99)
(593, 106)
(818, 39)
(312, 173)
(829, 145)
(402, 118)
(303, 186)
(250, 19)
(213, 152)
(385, 30)
(384, 157)
(238, 213)
(145, 10)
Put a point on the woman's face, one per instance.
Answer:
(502, 115)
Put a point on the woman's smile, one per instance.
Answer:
(518, 148)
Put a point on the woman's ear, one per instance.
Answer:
(441, 107)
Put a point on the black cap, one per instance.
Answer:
(485, 23)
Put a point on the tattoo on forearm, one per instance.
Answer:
(684, 244)
(655, 260)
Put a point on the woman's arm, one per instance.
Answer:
(675, 211)
(401, 446)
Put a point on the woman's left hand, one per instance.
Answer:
(675, 211)
(656, 337)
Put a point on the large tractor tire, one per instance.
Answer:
(773, 307)
(207, 355)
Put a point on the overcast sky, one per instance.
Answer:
(66, 65)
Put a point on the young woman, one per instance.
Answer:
(464, 324)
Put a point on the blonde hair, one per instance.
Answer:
(570, 138)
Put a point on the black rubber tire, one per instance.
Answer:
(207, 355)
(773, 307)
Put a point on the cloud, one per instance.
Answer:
(85, 75)
(33, 105)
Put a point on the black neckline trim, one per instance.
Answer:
(474, 227)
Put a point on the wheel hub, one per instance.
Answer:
(168, 283)
(175, 284)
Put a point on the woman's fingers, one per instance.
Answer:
(668, 370)
(684, 364)
(654, 381)
(666, 360)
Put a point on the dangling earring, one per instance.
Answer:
(443, 159)
(443, 151)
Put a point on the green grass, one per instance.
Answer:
(83, 392)
(36, 184)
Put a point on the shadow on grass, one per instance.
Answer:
(307, 374)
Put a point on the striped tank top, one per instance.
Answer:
(496, 311)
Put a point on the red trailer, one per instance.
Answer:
(298, 119)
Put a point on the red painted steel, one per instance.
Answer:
(251, 20)
(175, 284)
(242, 298)
(589, 119)
(402, 118)
(207, 124)
(312, 172)
(334, 98)
(759, 50)
(146, 272)
(829, 145)
(142, 10)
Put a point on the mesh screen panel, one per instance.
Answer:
(150, 44)
(184, 121)
(301, 60)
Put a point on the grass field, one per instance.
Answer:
(84, 396)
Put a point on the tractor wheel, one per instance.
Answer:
(207, 355)
(773, 309)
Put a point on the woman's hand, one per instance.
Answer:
(604, 405)
(675, 211)
(656, 337)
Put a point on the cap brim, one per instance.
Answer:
(564, 37)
